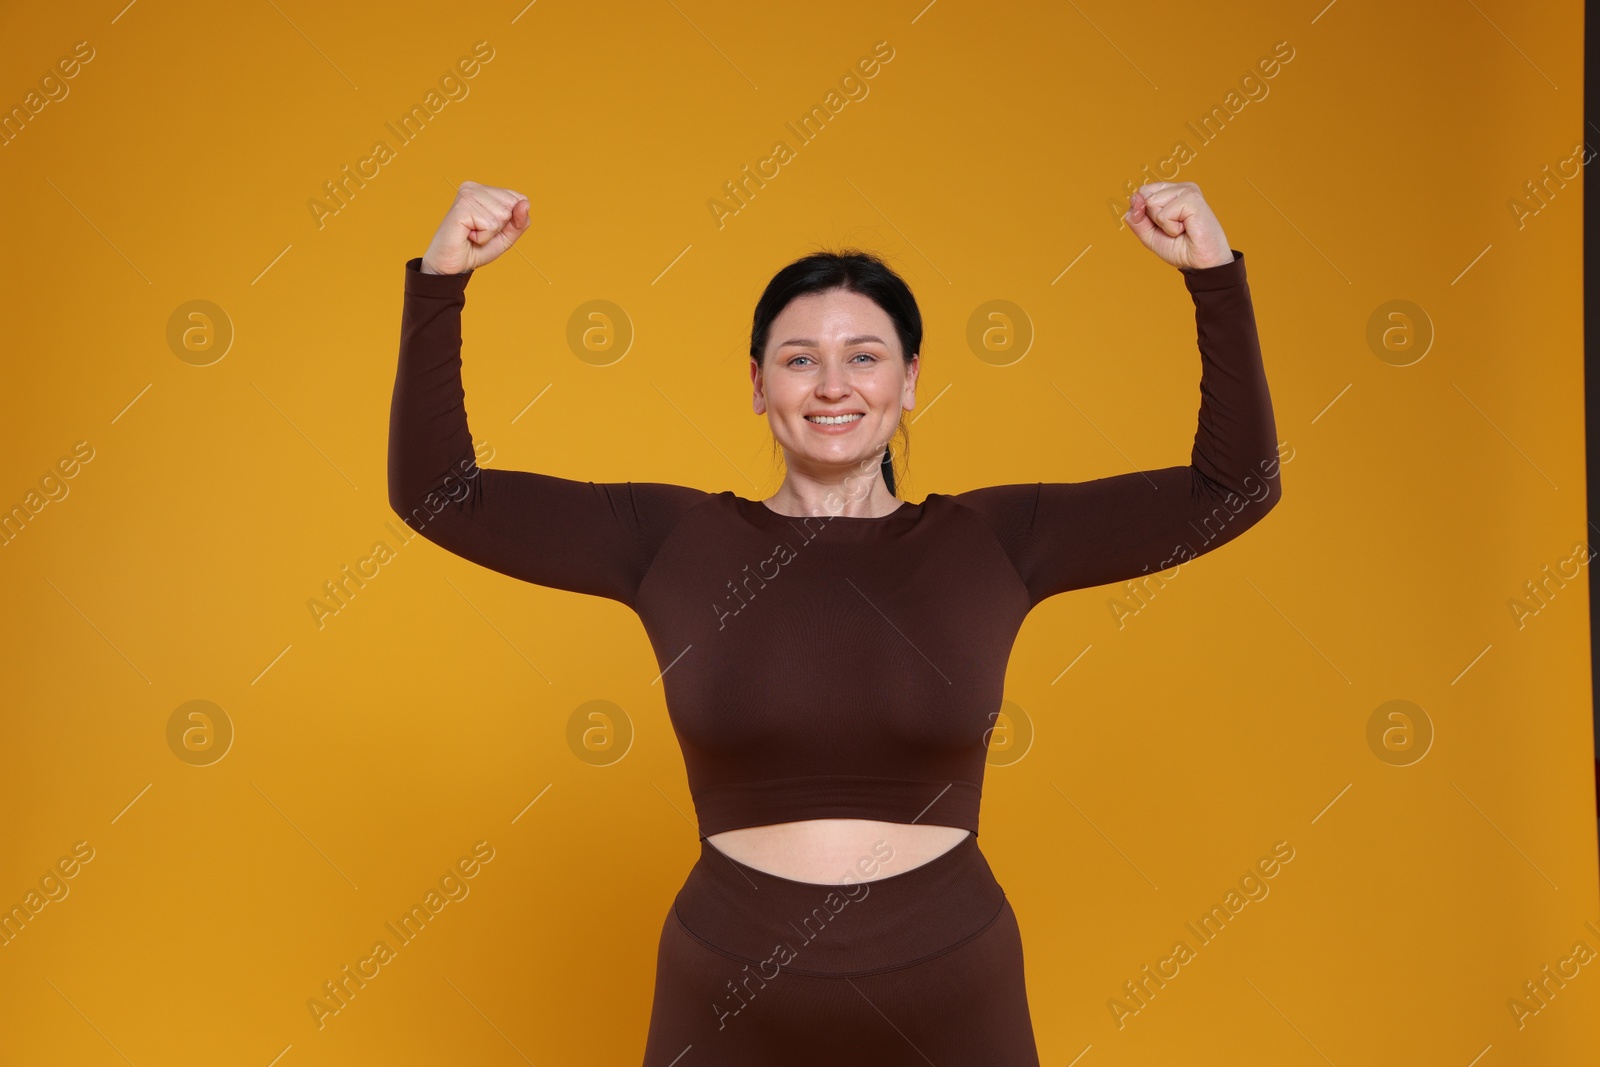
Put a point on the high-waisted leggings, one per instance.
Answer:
(916, 968)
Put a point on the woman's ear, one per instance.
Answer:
(758, 395)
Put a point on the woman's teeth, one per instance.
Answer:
(832, 420)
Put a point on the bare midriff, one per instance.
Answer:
(836, 851)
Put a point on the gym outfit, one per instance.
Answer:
(833, 666)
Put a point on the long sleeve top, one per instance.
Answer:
(831, 666)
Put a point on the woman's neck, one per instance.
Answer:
(853, 497)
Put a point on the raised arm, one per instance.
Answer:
(1070, 535)
(587, 537)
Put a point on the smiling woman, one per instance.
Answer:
(834, 347)
(849, 713)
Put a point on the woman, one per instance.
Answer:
(834, 704)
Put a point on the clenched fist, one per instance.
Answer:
(483, 222)
(1175, 222)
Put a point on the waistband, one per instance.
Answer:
(732, 805)
(859, 927)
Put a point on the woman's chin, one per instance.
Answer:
(824, 463)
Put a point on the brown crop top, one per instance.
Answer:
(831, 667)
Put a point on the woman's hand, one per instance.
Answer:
(483, 222)
(1175, 222)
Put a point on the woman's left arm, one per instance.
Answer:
(1069, 535)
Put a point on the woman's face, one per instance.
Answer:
(833, 353)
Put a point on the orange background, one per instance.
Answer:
(1381, 162)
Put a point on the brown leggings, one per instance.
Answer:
(920, 967)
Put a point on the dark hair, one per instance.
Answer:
(857, 272)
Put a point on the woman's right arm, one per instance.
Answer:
(587, 537)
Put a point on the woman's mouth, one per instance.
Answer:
(835, 420)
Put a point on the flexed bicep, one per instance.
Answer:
(588, 537)
(1069, 535)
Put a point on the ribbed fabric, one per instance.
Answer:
(832, 666)
(845, 929)
(921, 966)
(837, 796)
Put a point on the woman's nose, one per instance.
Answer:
(834, 380)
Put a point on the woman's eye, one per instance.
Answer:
(796, 360)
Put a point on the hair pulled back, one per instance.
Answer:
(855, 271)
